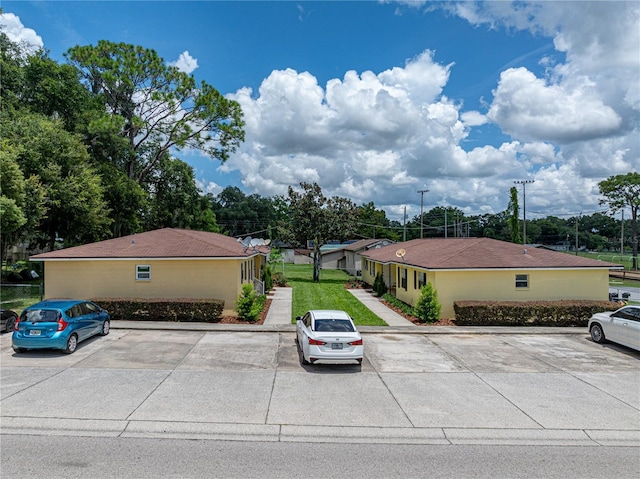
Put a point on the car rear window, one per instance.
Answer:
(40, 315)
(334, 325)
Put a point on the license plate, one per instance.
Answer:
(34, 332)
(336, 345)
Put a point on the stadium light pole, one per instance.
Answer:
(422, 192)
(524, 207)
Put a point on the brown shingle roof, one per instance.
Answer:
(477, 253)
(162, 243)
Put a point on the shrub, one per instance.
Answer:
(267, 277)
(280, 279)
(249, 304)
(527, 313)
(160, 309)
(401, 305)
(427, 308)
(378, 285)
(354, 283)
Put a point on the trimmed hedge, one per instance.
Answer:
(528, 313)
(143, 309)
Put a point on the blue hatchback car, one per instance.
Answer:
(59, 324)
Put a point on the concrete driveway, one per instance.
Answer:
(454, 387)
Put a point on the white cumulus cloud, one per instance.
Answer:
(11, 26)
(185, 63)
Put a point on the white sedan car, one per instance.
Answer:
(621, 326)
(328, 335)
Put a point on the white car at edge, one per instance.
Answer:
(621, 326)
(328, 335)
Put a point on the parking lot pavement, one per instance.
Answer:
(456, 388)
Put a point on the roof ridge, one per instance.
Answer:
(467, 245)
(195, 236)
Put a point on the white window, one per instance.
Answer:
(522, 280)
(143, 272)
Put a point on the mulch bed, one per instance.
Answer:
(236, 320)
(416, 321)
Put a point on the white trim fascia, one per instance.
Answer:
(528, 268)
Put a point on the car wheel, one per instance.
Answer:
(11, 324)
(19, 350)
(72, 344)
(597, 334)
(304, 360)
(106, 327)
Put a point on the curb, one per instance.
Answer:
(318, 434)
(290, 328)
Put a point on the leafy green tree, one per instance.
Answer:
(126, 200)
(619, 192)
(12, 60)
(427, 308)
(55, 91)
(374, 223)
(205, 219)
(75, 209)
(162, 108)
(12, 199)
(240, 215)
(22, 202)
(175, 201)
(513, 216)
(174, 198)
(315, 218)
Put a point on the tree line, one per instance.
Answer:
(87, 153)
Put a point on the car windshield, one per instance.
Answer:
(334, 325)
(41, 315)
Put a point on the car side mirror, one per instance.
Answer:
(298, 318)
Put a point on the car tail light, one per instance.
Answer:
(315, 342)
(356, 343)
(15, 326)
(61, 323)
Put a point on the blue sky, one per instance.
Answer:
(377, 100)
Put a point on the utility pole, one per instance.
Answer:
(404, 224)
(422, 192)
(524, 207)
(446, 227)
(577, 219)
(622, 235)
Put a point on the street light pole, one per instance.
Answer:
(422, 192)
(524, 207)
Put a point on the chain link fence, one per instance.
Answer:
(19, 296)
(21, 285)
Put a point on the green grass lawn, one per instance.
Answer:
(625, 260)
(329, 293)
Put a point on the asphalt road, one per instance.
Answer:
(456, 387)
(105, 457)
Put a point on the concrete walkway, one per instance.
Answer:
(372, 302)
(280, 309)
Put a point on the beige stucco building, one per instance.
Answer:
(347, 257)
(165, 263)
(484, 269)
